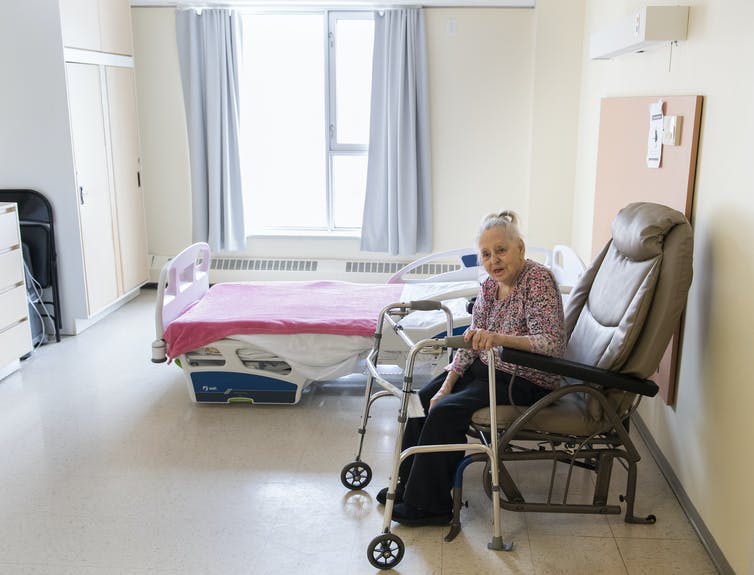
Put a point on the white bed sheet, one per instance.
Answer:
(323, 357)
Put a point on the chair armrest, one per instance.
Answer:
(583, 372)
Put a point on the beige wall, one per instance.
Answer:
(497, 139)
(514, 121)
(162, 119)
(558, 35)
(480, 109)
(705, 437)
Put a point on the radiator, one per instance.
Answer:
(229, 269)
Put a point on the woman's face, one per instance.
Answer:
(502, 258)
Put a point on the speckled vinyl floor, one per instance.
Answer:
(108, 468)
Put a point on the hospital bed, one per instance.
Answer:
(264, 342)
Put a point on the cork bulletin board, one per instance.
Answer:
(624, 177)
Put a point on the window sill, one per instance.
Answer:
(305, 234)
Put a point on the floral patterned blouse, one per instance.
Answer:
(533, 308)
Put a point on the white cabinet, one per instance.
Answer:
(95, 206)
(69, 116)
(15, 333)
(99, 25)
(131, 246)
(102, 106)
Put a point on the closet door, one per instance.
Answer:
(129, 200)
(100, 25)
(91, 158)
(115, 26)
(80, 22)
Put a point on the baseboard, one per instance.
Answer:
(716, 555)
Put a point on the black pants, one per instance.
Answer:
(427, 478)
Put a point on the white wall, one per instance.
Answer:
(35, 139)
(706, 435)
(497, 140)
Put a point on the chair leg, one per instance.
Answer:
(602, 485)
(56, 302)
(455, 522)
(630, 498)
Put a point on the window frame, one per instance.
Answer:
(332, 148)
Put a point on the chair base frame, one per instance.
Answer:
(597, 453)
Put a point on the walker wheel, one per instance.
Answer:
(356, 475)
(385, 551)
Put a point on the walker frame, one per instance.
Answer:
(386, 550)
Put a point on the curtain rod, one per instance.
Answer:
(385, 4)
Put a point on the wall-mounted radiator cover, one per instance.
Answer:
(228, 269)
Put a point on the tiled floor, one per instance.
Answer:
(107, 468)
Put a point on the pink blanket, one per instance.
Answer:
(328, 307)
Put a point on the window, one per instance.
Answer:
(305, 95)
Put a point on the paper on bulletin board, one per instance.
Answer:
(654, 142)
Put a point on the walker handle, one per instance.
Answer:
(425, 305)
(457, 342)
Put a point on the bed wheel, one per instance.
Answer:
(356, 475)
(385, 551)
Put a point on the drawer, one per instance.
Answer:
(15, 343)
(8, 229)
(13, 306)
(11, 269)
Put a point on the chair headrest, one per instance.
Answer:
(639, 229)
(625, 307)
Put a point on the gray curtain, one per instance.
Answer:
(209, 46)
(398, 204)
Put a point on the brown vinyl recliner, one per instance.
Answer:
(619, 319)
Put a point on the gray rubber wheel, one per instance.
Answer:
(385, 551)
(356, 475)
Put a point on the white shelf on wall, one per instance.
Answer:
(648, 27)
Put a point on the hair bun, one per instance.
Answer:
(507, 219)
(509, 216)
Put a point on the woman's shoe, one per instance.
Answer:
(382, 495)
(406, 514)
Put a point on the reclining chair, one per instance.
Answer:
(619, 319)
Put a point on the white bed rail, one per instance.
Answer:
(466, 273)
(565, 264)
(183, 281)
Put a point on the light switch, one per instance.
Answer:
(451, 27)
(671, 132)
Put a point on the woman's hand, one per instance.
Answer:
(442, 392)
(482, 339)
(445, 389)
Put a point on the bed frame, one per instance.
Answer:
(218, 373)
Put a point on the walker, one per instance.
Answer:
(386, 550)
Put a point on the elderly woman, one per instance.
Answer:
(519, 306)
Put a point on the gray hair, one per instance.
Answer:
(507, 219)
